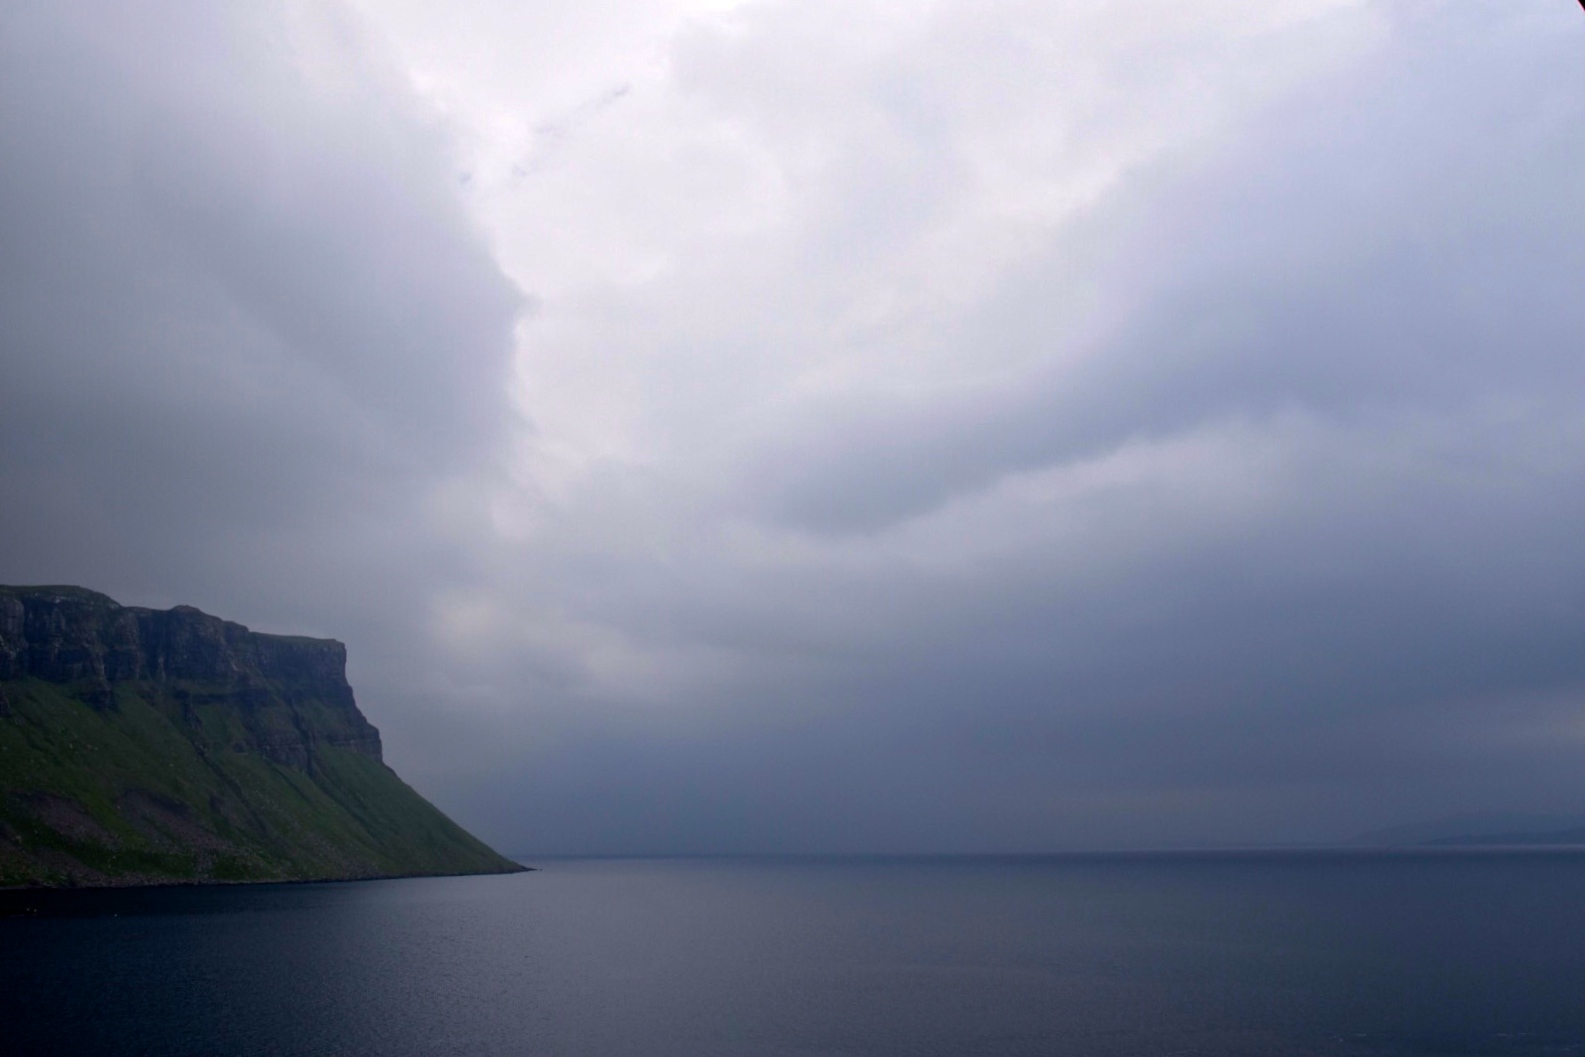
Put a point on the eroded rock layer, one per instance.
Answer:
(145, 746)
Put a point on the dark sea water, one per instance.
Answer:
(1262, 954)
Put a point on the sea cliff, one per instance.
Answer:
(142, 746)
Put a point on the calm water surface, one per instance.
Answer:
(1296, 954)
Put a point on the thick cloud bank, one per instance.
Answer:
(834, 426)
(250, 336)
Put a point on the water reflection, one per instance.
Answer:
(1295, 954)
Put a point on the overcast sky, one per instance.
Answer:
(833, 425)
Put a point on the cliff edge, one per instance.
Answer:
(142, 746)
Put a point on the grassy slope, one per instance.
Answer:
(152, 792)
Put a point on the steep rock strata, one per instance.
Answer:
(141, 745)
(86, 641)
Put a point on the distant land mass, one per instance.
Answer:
(1480, 830)
(141, 746)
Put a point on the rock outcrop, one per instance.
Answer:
(141, 745)
(84, 640)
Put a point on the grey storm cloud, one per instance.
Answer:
(246, 322)
(966, 442)
(1409, 243)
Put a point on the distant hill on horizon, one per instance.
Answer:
(142, 746)
(1480, 830)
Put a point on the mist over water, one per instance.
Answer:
(1357, 954)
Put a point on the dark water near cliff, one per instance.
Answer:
(1301, 954)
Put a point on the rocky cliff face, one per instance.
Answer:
(86, 641)
(142, 746)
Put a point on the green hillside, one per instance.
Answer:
(123, 768)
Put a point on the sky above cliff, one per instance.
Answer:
(833, 426)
